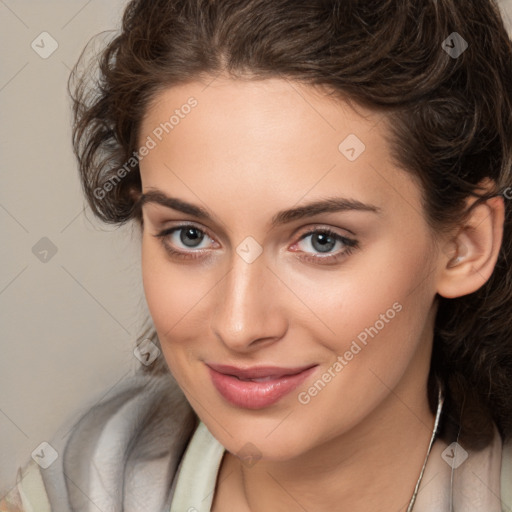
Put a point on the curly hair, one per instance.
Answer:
(450, 118)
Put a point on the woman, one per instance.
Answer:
(323, 195)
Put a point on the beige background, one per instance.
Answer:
(69, 324)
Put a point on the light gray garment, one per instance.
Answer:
(125, 454)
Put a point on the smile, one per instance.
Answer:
(259, 387)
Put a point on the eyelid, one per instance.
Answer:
(183, 254)
(349, 243)
(304, 231)
(313, 228)
(184, 225)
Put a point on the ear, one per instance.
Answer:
(468, 258)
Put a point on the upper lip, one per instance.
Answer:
(257, 372)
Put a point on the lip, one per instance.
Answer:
(250, 394)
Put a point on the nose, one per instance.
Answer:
(249, 311)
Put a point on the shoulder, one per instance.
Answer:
(28, 494)
(125, 449)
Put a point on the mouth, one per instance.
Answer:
(256, 387)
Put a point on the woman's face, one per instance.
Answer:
(241, 271)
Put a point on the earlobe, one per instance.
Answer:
(469, 258)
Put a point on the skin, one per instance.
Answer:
(248, 150)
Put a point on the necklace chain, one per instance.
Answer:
(440, 402)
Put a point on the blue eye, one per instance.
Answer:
(323, 241)
(189, 236)
(194, 241)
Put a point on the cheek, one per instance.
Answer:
(177, 297)
(153, 280)
(166, 293)
(164, 286)
(380, 338)
(383, 290)
(381, 318)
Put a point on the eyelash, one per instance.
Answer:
(349, 243)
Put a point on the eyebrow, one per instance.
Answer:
(332, 204)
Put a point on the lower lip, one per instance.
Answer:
(256, 395)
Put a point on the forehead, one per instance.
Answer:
(261, 109)
(272, 140)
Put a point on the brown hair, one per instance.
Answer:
(450, 115)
